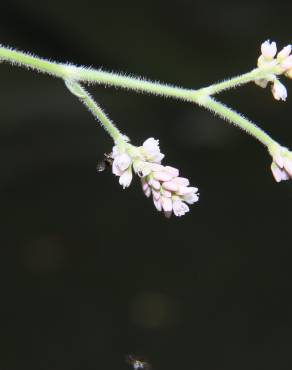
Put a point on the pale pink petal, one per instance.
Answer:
(145, 185)
(166, 193)
(287, 63)
(156, 194)
(277, 172)
(126, 178)
(191, 198)
(269, 49)
(151, 145)
(285, 175)
(116, 170)
(157, 158)
(172, 171)
(181, 181)
(183, 190)
(278, 160)
(154, 183)
(170, 185)
(147, 192)
(180, 208)
(284, 53)
(157, 204)
(288, 166)
(156, 167)
(166, 204)
(123, 161)
(279, 91)
(115, 151)
(152, 150)
(162, 176)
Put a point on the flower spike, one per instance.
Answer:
(283, 63)
(170, 192)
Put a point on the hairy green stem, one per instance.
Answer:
(72, 75)
(68, 71)
(239, 121)
(95, 109)
(255, 74)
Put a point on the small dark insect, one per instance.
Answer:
(105, 162)
(138, 363)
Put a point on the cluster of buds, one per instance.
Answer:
(171, 193)
(282, 163)
(281, 63)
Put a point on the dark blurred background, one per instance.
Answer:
(91, 273)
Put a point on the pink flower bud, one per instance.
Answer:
(145, 184)
(288, 165)
(287, 63)
(170, 185)
(284, 53)
(126, 178)
(122, 161)
(282, 163)
(172, 171)
(166, 204)
(116, 170)
(279, 175)
(162, 176)
(183, 190)
(279, 91)
(191, 198)
(180, 208)
(157, 204)
(166, 193)
(155, 184)
(181, 181)
(155, 167)
(147, 192)
(156, 194)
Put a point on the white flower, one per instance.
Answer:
(122, 161)
(180, 208)
(282, 163)
(282, 64)
(170, 192)
(152, 151)
(121, 166)
(126, 178)
(279, 91)
(268, 49)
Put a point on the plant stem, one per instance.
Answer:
(67, 71)
(255, 74)
(239, 121)
(95, 109)
(71, 74)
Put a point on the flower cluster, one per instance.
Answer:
(282, 63)
(282, 163)
(171, 193)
